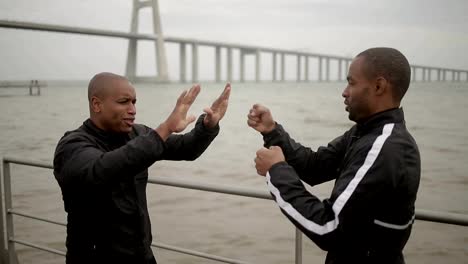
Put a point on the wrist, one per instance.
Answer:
(269, 129)
(164, 131)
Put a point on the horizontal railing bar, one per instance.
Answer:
(442, 217)
(421, 214)
(226, 189)
(15, 212)
(25, 243)
(34, 163)
(159, 245)
(196, 253)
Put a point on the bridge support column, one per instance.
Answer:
(282, 68)
(229, 65)
(194, 62)
(273, 62)
(160, 51)
(183, 63)
(218, 64)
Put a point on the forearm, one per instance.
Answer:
(299, 157)
(83, 162)
(163, 131)
(315, 218)
(191, 145)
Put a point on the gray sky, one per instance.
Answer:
(430, 32)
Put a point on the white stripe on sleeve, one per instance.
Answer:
(342, 198)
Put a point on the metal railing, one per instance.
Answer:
(8, 240)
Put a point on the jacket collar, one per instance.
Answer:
(394, 115)
(102, 134)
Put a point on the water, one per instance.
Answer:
(236, 227)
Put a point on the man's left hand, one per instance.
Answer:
(217, 109)
(267, 158)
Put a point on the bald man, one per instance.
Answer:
(375, 165)
(102, 169)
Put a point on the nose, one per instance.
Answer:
(345, 92)
(132, 109)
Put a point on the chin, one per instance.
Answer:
(127, 130)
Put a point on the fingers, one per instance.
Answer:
(188, 97)
(258, 110)
(192, 93)
(226, 93)
(223, 97)
(261, 161)
(181, 97)
(252, 123)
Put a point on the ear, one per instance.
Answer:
(96, 104)
(381, 86)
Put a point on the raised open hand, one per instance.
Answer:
(177, 121)
(217, 110)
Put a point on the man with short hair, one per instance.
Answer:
(375, 165)
(102, 169)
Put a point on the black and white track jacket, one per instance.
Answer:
(370, 212)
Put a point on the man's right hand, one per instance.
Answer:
(260, 119)
(177, 121)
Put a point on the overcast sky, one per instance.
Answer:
(428, 32)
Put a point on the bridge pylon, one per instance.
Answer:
(162, 74)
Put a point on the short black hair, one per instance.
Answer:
(391, 64)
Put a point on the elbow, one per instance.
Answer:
(193, 156)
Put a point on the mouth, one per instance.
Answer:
(129, 121)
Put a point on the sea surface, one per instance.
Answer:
(248, 229)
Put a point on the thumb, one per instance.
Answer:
(208, 111)
(276, 148)
(190, 119)
(260, 109)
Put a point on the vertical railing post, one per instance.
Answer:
(298, 247)
(9, 246)
(3, 240)
(31, 87)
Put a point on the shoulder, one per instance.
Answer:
(78, 134)
(139, 129)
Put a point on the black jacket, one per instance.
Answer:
(369, 215)
(103, 179)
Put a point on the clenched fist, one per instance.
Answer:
(267, 158)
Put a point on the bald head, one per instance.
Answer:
(101, 83)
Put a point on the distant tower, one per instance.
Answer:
(161, 61)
